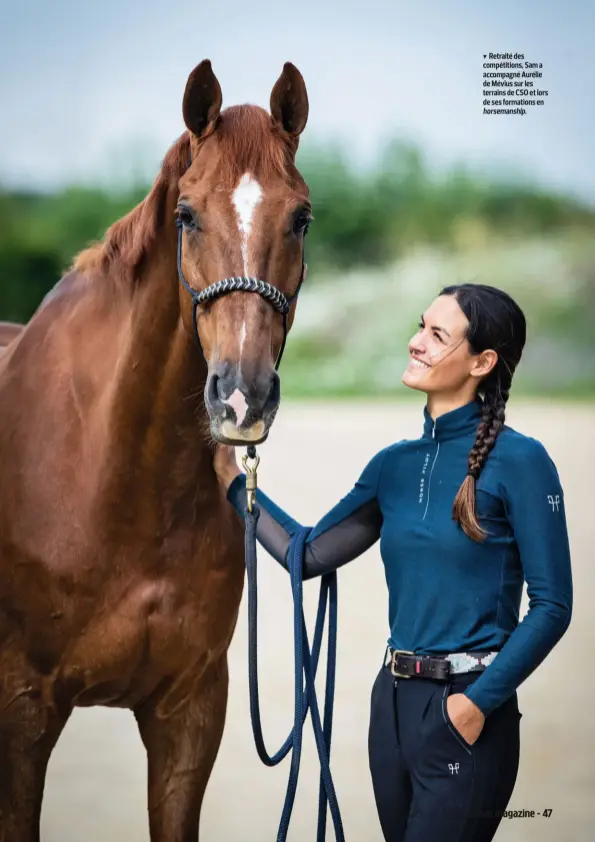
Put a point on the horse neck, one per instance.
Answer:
(158, 441)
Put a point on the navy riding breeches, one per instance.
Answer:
(430, 785)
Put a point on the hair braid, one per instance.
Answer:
(492, 422)
(495, 323)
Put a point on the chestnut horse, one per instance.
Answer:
(121, 562)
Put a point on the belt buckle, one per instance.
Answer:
(394, 653)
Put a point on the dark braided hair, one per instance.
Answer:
(496, 322)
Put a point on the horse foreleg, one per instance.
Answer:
(181, 751)
(29, 730)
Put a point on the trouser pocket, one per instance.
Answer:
(448, 721)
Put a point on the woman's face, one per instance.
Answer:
(440, 355)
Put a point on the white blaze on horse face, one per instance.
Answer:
(245, 198)
(242, 337)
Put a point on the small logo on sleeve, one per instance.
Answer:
(554, 502)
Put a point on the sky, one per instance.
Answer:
(93, 91)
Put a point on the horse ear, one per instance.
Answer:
(289, 101)
(202, 100)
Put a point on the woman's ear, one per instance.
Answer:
(484, 363)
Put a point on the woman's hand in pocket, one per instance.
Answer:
(465, 716)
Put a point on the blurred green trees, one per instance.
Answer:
(367, 218)
(39, 236)
(372, 218)
(370, 225)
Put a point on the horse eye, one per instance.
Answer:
(301, 223)
(187, 218)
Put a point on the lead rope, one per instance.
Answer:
(305, 663)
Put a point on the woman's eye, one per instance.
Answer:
(420, 326)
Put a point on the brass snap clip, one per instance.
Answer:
(251, 480)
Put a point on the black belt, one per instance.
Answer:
(405, 664)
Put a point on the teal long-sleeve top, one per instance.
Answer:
(446, 592)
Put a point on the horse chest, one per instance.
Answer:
(152, 629)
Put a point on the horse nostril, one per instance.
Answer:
(274, 395)
(213, 396)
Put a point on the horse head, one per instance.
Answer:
(243, 211)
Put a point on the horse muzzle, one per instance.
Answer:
(241, 413)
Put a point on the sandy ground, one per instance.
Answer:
(97, 777)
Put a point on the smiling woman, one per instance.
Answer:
(463, 516)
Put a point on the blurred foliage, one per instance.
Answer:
(40, 234)
(372, 218)
(369, 224)
(357, 343)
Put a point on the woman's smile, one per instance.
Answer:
(416, 363)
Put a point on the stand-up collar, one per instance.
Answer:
(457, 422)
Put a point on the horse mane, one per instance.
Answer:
(246, 142)
(127, 241)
